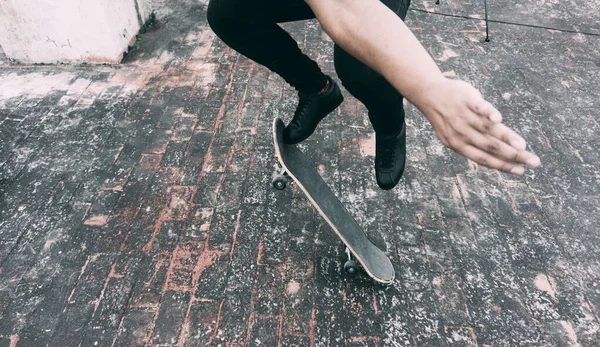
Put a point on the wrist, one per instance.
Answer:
(427, 94)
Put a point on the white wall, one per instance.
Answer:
(51, 31)
(145, 8)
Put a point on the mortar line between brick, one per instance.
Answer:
(464, 299)
(186, 324)
(193, 288)
(157, 309)
(111, 274)
(72, 108)
(281, 317)
(243, 100)
(14, 247)
(166, 286)
(237, 225)
(375, 308)
(194, 284)
(195, 280)
(87, 261)
(251, 316)
(123, 311)
(208, 154)
(217, 323)
(96, 302)
(156, 230)
(462, 186)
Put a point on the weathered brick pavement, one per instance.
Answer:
(136, 206)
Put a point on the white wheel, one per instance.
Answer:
(280, 182)
(350, 267)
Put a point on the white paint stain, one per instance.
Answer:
(206, 218)
(450, 73)
(177, 203)
(370, 193)
(321, 169)
(545, 284)
(292, 288)
(447, 54)
(207, 75)
(463, 188)
(579, 37)
(34, 85)
(458, 337)
(97, 221)
(367, 146)
(180, 113)
(571, 335)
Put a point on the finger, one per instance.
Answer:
(505, 134)
(484, 109)
(482, 125)
(499, 149)
(501, 132)
(487, 160)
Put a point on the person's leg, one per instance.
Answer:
(250, 27)
(385, 107)
(382, 100)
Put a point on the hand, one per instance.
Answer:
(471, 126)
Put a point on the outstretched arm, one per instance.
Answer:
(462, 119)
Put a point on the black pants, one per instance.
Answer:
(250, 27)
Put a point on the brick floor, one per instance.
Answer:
(136, 206)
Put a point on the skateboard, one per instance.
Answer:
(359, 248)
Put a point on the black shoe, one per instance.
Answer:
(390, 158)
(312, 108)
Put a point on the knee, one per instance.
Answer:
(353, 73)
(365, 84)
(351, 70)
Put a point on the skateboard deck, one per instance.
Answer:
(373, 260)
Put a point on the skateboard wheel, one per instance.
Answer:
(350, 267)
(280, 182)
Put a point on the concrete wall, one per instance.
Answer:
(3, 58)
(51, 31)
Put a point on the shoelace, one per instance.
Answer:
(303, 104)
(387, 152)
